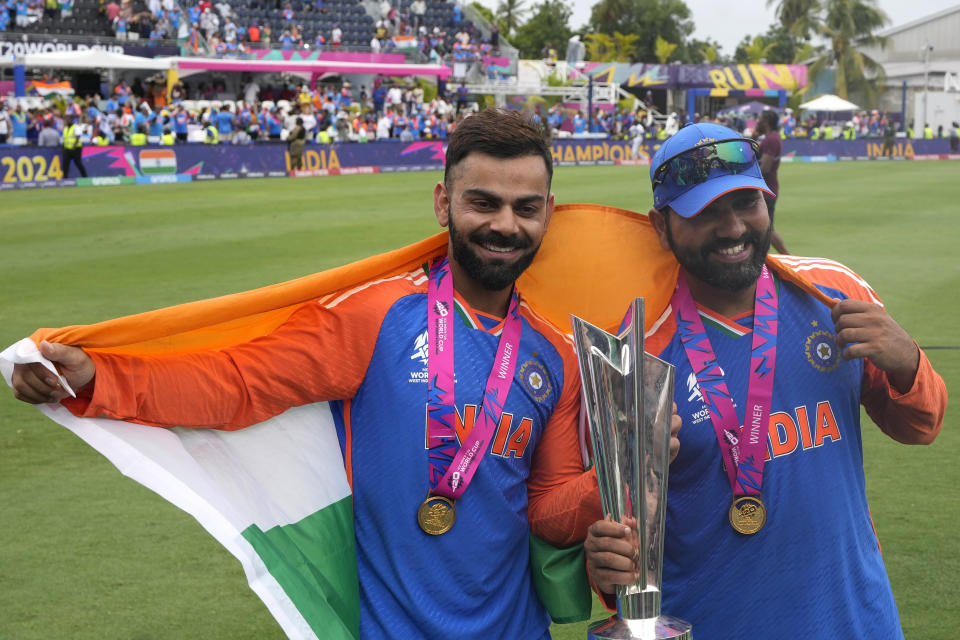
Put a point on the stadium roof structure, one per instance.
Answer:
(96, 59)
(89, 59)
(186, 66)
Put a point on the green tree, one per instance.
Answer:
(753, 51)
(549, 25)
(483, 11)
(510, 14)
(776, 46)
(663, 50)
(703, 52)
(616, 48)
(846, 26)
(647, 19)
(800, 17)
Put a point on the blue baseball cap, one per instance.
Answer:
(719, 161)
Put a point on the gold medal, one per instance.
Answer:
(436, 515)
(747, 514)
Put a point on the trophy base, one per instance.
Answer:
(661, 628)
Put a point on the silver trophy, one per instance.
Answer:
(629, 403)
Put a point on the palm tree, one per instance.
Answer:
(847, 26)
(619, 48)
(663, 50)
(800, 17)
(509, 15)
(759, 50)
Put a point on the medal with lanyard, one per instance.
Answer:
(743, 448)
(451, 468)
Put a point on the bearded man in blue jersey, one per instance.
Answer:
(768, 532)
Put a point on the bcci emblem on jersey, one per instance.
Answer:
(535, 380)
(822, 352)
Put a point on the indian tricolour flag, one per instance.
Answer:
(276, 494)
(404, 42)
(154, 161)
(45, 89)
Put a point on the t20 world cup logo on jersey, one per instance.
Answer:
(420, 352)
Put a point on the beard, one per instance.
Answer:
(495, 274)
(729, 277)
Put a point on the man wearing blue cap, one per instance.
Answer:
(768, 532)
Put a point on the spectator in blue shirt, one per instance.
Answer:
(225, 123)
(18, 125)
(180, 121)
(142, 117)
(155, 131)
(379, 97)
(579, 124)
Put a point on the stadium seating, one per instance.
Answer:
(357, 25)
(85, 20)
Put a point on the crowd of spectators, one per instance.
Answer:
(219, 29)
(21, 14)
(623, 124)
(391, 109)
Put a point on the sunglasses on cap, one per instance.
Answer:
(696, 165)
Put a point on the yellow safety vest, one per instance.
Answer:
(212, 136)
(101, 140)
(70, 138)
(928, 133)
(138, 139)
(168, 139)
(661, 134)
(827, 133)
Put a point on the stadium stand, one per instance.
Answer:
(83, 19)
(312, 23)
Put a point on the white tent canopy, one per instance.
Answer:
(829, 102)
(89, 59)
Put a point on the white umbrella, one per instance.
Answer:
(829, 102)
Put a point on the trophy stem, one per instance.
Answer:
(628, 395)
(639, 605)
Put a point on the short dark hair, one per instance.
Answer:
(771, 119)
(499, 133)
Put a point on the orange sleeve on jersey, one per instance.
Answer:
(914, 417)
(318, 354)
(563, 499)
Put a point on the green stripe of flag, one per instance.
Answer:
(321, 581)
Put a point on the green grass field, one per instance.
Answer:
(87, 554)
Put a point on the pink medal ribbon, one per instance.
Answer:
(743, 448)
(451, 469)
